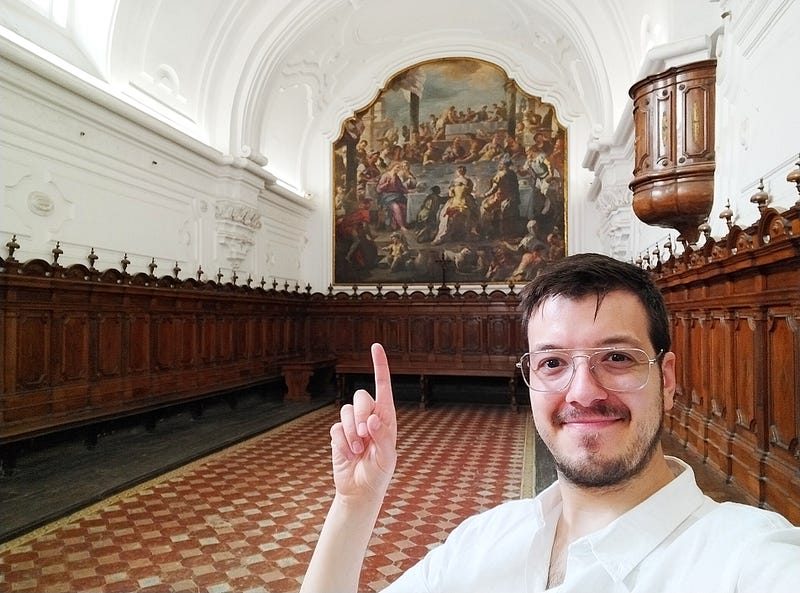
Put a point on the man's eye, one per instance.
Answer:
(554, 363)
(620, 357)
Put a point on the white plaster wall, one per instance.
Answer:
(247, 90)
(91, 173)
(758, 125)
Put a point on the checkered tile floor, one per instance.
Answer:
(247, 518)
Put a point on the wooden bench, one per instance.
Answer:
(428, 372)
(298, 374)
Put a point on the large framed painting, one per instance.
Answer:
(452, 174)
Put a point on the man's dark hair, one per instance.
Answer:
(584, 274)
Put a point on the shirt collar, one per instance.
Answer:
(630, 538)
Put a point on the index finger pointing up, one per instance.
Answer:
(384, 399)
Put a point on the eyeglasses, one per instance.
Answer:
(615, 369)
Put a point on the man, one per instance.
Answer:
(620, 517)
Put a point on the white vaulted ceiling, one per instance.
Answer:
(272, 80)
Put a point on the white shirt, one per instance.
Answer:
(678, 540)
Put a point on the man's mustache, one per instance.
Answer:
(600, 409)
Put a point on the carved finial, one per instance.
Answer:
(705, 228)
(152, 267)
(668, 246)
(176, 270)
(355, 290)
(308, 288)
(330, 290)
(760, 198)
(794, 177)
(92, 257)
(57, 251)
(727, 214)
(656, 254)
(124, 262)
(219, 275)
(405, 289)
(274, 283)
(263, 282)
(12, 247)
(286, 285)
(379, 288)
(199, 273)
(249, 279)
(234, 277)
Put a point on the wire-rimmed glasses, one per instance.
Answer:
(615, 369)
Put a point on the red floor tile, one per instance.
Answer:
(247, 518)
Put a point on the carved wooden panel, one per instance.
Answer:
(208, 339)
(32, 350)
(783, 402)
(420, 335)
(392, 333)
(318, 333)
(139, 344)
(720, 387)
(744, 348)
(695, 114)
(187, 336)
(164, 344)
(445, 335)
(109, 344)
(224, 330)
(472, 330)
(241, 337)
(344, 335)
(720, 391)
(697, 381)
(499, 335)
(366, 333)
(73, 346)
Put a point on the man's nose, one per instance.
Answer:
(584, 387)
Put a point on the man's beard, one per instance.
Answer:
(594, 470)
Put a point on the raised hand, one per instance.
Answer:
(364, 441)
(364, 457)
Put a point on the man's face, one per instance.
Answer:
(599, 437)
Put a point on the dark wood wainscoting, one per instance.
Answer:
(80, 346)
(735, 306)
(427, 334)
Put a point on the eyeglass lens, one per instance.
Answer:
(613, 369)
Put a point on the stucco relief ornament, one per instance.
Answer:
(617, 197)
(236, 227)
(40, 203)
(239, 213)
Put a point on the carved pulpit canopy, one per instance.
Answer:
(673, 175)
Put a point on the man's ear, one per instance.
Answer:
(669, 379)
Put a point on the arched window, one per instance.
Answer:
(55, 10)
